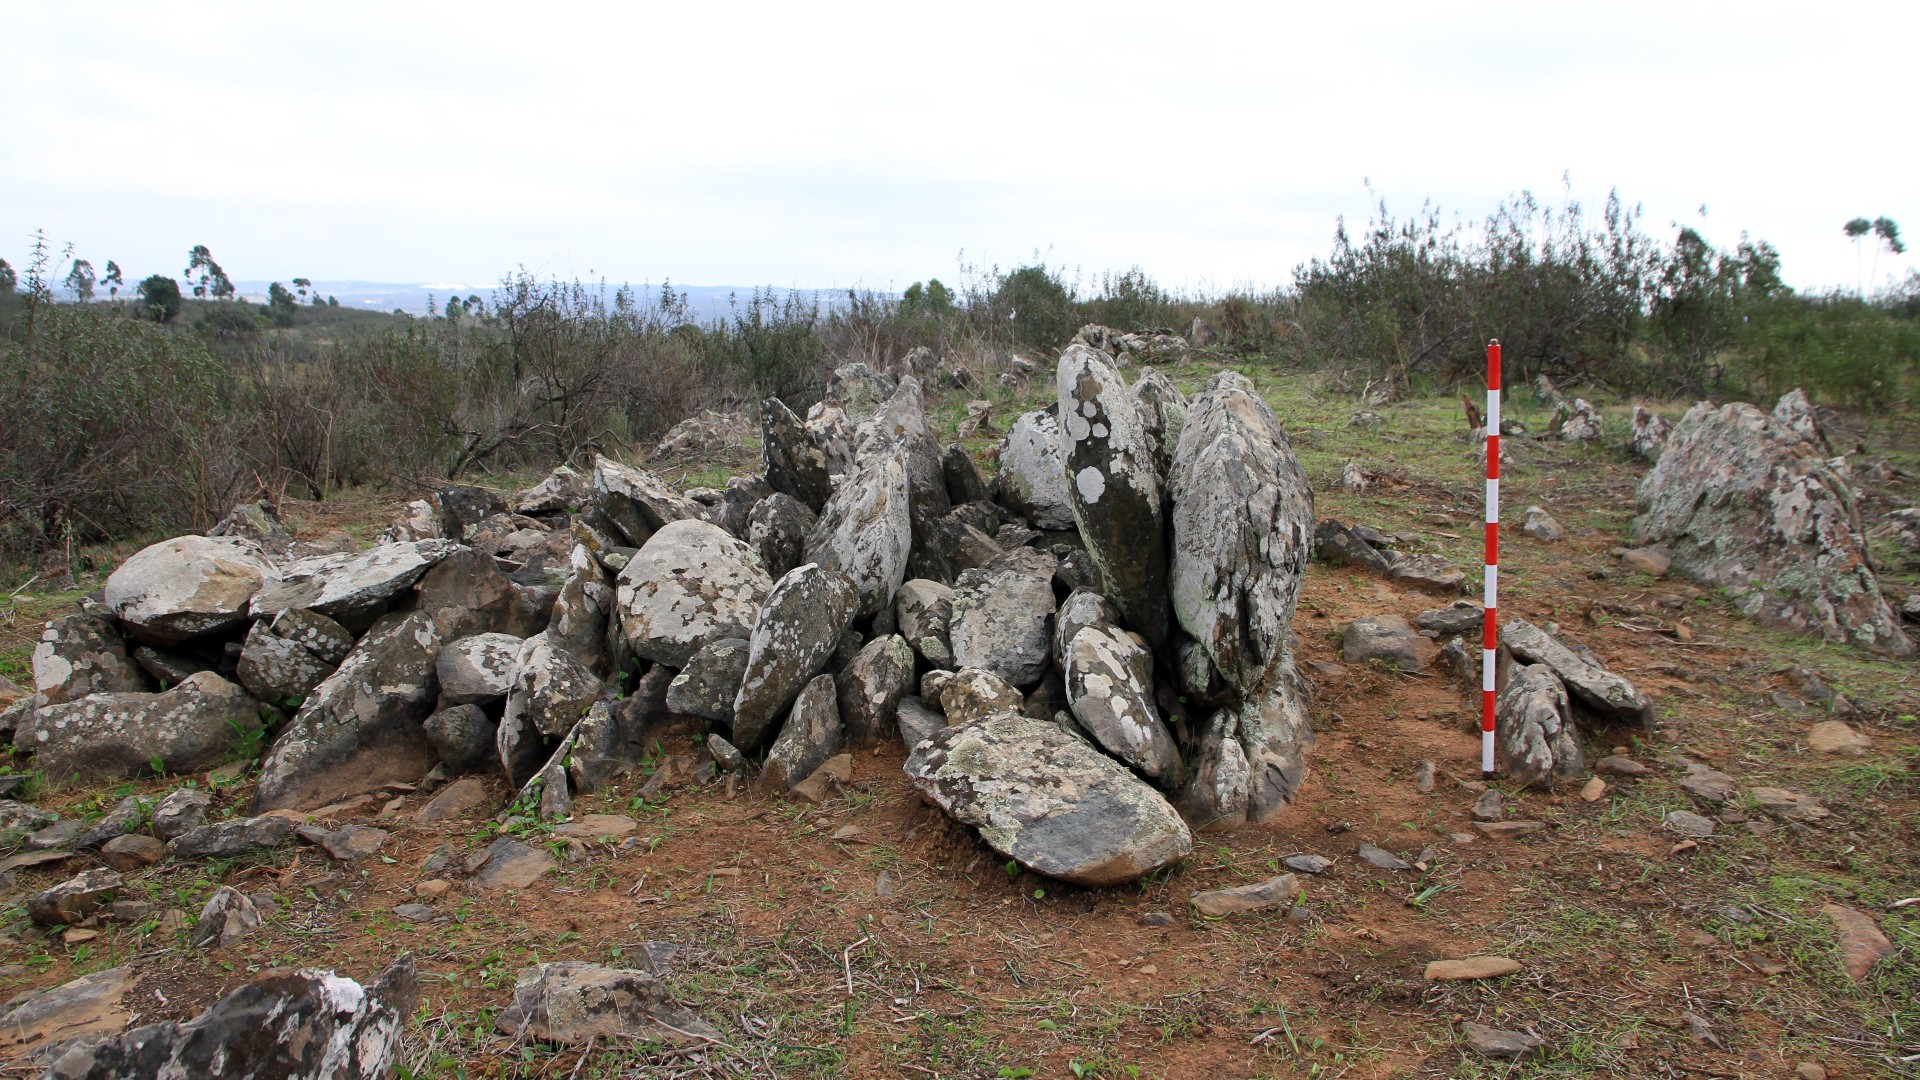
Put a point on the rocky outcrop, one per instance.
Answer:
(1049, 801)
(361, 727)
(1033, 471)
(793, 637)
(1003, 614)
(690, 584)
(1747, 504)
(292, 1025)
(1114, 490)
(866, 529)
(187, 587)
(108, 736)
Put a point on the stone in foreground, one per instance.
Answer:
(573, 1002)
(1049, 801)
(1256, 897)
(1473, 967)
(185, 729)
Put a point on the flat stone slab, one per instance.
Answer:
(1473, 967)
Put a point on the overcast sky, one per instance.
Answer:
(839, 144)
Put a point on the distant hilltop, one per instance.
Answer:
(706, 301)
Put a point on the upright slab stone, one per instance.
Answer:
(1114, 490)
(1535, 723)
(1033, 471)
(793, 637)
(866, 529)
(795, 464)
(1003, 615)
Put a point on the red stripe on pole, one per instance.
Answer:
(1493, 544)
(1486, 711)
(1493, 455)
(1493, 365)
(1489, 629)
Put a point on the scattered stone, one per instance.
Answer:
(352, 590)
(1459, 617)
(1616, 765)
(1473, 967)
(1423, 780)
(917, 722)
(1157, 918)
(414, 912)
(1500, 1043)
(75, 898)
(510, 864)
(116, 735)
(1259, 896)
(599, 827)
(1649, 434)
(1540, 525)
(1593, 790)
(573, 1003)
(60, 834)
(1508, 830)
(1837, 737)
(132, 852)
(346, 843)
(1592, 685)
(833, 774)
(1488, 806)
(1789, 805)
(1048, 801)
(1707, 783)
(300, 1024)
(1862, 944)
(1387, 639)
(464, 798)
(1575, 420)
(1536, 733)
(1382, 858)
(1308, 864)
(1688, 823)
(227, 917)
(230, 838)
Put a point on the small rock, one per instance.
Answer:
(820, 784)
(1593, 790)
(1620, 766)
(132, 852)
(1650, 561)
(414, 912)
(1388, 639)
(1508, 830)
(1473, 967)
(1862, 944)
(1382, 858)
(1790, 805)
(1423, 780)
(1688, 823)
(573, 1003)
(1837, 737)
(599, 827)
(1157, 918)
(1500, 1043)
(74, 899)
(1308, 864)
(348, 842)
(725, 754)
(1488, 807)
(510, 864)
(461, 799)
(432, 887)
(228, 917)
(1709, 784)
(1540, 525)
(1256, 897)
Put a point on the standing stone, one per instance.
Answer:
(1033, 471)
(1215, 796)
(711, 680)
(691, 584)
(1002, 616)
(965, 484)
(811, 735)
(1536, 734)
(563, 489)
(1109, 678)
(858, 389)
(1081, 609)
(78, 655)
(227, 917)
(872, 685)
(1576, 421)
(187, 587)
(1163, 416)
(106, 736)
(777, 531)
(1275, 734)
(550, 688)
(1650, 433)
(583, 612)
(1540, 525)
(795, 464)
(832, 431)
(793, 637)
(276, 670)
(360, 729)
(866, 529)
(636, 502)
(1747, 504)
(1114, 490)
(1047, 800)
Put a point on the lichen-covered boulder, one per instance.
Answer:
(350, 589)
(1576, 421)
(1003, 615)
(1216, 794)
(549, 691)
(360, 729)
(477, 670)
(858, 390)
(872, 685)
(832, 431)
(1109, 679)
(315, 633)
(583, 613)
(711, 680)
(186, 728)
(1163, 416)
(692, 583)
(1242, 532)
(83, 654)
(1747, 503)
(636, 502)
(1535, 728)
(1049, 801)
(187, 587)
(1114, 489)
(972, 694)
(1649, 433)
(793, 637)
(812, 734)
(795, 464)
(276, 670)
(562, 489)
(291, 1025)
(866, 529)
(923, 612)
(462, 736)
(1082, 608)
(1033, 471)
(1611, 696)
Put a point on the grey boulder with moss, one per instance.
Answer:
(79, 655)
(187, 587)
(1003, 616)
(1535, 728)
(1109, 679)
(865, 530)
(350, 589)
(793, 638)
(690, 584)
(1033, 471)
(187, 728)
(1049, 801)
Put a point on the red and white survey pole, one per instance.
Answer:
(1490, 631)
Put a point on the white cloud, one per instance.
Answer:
(872, 143)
